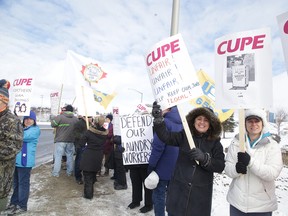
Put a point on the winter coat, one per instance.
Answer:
(79, 130)
(30, 140)
(93, 143)
(11, 137)
(64, 124)
(190, 188)
(163, 157)
(108, 146)
(254, 191)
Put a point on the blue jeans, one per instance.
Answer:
(21, 186)
(60, 149)
(159, 198)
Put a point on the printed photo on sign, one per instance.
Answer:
(137, 138)
(240, 71)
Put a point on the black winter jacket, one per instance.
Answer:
(191, 186)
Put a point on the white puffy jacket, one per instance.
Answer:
(254, 191)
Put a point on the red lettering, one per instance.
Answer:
(18, 82)
(256, 42)
(155, 55)
(54, 94)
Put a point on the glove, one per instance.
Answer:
(196, 154)
(157, 113)
(244, 158)
(150, 169)
(241, 168)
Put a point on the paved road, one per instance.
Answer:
(45, 146)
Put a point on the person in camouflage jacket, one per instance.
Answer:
(11, 137)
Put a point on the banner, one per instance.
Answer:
(243, 68)
(88, 77)
(208, 97)
(54, 101)
(137, 138)
(21, 96)
(171, 72)
(102, 98)
(116, 121)
(283, 26)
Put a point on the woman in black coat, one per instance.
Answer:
(91, 161)
(190, 189)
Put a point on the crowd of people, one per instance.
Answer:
(178, 179)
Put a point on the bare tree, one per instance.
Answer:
(281, 115)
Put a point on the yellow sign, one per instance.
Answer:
(208, 97)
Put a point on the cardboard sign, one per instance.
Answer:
(172, 75)
(54, 101)
(21, 96)
(243, 67)
(137, 138)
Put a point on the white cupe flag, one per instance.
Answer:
(243, 70)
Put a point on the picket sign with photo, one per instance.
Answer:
(21, 94)
(172, 76)
(243, 67)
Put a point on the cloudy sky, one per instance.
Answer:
(36, 35)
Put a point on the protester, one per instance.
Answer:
(64, 139)
(163, 159)
(191, 186)
(79, 130)
(91, 160)
(11, 137)
(253, 172)
(120, 182)
(138, 174)
(25, 160)
(108, 147)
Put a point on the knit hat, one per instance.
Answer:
(257, 114)
(4, 94)
(152, 180)
(69, 108)
(31, 116)
(110, 116)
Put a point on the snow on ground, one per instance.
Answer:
(62, 196)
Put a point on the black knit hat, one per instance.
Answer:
(4, 94)
(69, 108)
(110, 116)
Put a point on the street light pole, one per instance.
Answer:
(141, 93)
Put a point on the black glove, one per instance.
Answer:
(150, 169)
(244, 158)
(157, 113)
(241, 168)
(196, 154)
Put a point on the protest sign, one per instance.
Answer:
(172, 75)
(54, 101)
(243, 68)
(283, 26)
(116, 121)
(137, 138)
(21, 96)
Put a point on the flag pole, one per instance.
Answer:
(174, 30)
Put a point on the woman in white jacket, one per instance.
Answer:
(253, 173)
